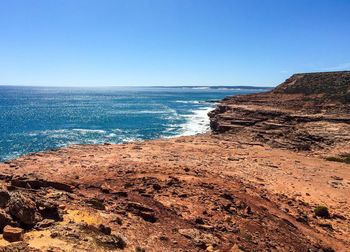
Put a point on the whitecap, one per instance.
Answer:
(188, 102)
(197, 122)
(87, 131)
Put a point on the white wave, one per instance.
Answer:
(196, 123)
(63, 132)
(87, 131)
(188, 102)
(111, 135)
(170, 114)
(116, 130)
(148, 112)
(13, 155)
(47, 132)
(131, 139)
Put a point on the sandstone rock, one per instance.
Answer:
(227, 196)
(44, 224)
(235, 248)
(23, 208)
(300, 114)
(12, 234)
(199, 220)
(156, 187)
(39, 183)
(202, 240)
(104, 229)
(4, 198)
(120, 194)
(5, 219)
(210, 248)
(49, 210)
(139, 249)
(19, 246)
(173, 181)
(143, 211)
(111, 241)
(248, 210)
(96, 203)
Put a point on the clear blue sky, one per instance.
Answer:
(170, 42)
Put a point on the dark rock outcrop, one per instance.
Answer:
(143, 211)
(4, 198)
(39, 183)
(23, 208)
(5, 219)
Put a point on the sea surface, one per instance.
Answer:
(35, 119)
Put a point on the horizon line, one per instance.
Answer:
(140, 86)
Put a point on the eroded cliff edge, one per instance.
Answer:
(309, 111)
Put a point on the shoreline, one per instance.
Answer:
(256, 182)
(196, 123)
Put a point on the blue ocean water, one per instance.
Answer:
(36, 118)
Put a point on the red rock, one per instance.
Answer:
(5, 219)
(13, 234)
(23, 208)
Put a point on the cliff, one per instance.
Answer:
(324, 87)
(307, 112)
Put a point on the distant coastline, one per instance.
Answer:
(263, 88)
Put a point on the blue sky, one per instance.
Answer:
(170, 42)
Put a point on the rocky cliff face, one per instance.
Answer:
(331, 86)
(308, 111)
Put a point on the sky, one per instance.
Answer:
(170, 42)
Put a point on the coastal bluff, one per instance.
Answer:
(308, 111)
(273, 175)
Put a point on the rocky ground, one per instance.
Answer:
(245, 188)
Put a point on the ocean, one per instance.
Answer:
(35, 119)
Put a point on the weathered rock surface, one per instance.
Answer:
(4, 198)
(5, 219)
(202, 240)
(306, 112)
(12, 234)
(23, 208)
(143, 211)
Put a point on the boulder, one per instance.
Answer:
(49, 210)
(23, 208)
(13, 234)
